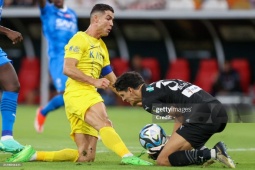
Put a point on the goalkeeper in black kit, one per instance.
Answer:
(196, 113)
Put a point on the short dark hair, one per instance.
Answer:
(129, 79)
(101, 8)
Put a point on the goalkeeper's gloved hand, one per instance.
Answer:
(153, 153)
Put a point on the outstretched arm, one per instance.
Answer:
(14, 36)
(42, 3)
(74, 73)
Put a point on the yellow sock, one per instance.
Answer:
(113, 141)
(56, 156)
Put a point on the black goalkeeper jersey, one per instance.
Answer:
(173, 91)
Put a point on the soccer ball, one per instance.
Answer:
(152, 135)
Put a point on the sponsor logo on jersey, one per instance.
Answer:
(189, 91)
(96, 55)
(63, 24)
(146, 107)
(150, 89)
(92, 46)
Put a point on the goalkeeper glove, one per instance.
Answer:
(153, 153)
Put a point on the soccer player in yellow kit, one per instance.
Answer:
(86, 58)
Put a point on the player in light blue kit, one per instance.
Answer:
(9, 85)
(59, 25)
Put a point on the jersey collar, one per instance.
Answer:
(64, 9)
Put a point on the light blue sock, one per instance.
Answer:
(8, 111)
(53, 104)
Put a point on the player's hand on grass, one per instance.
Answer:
(102, 83)
(153, 153)
(14, 36)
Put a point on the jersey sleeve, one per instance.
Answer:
(75, 47)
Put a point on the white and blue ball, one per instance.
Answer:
(152, 135)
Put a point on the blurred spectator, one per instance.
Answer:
(79, 3)
(239, 4)
(214, 5)
(181, 4)
(75, 4)
(20, 3)
(136, 65)
(252, 3)
(252, 92)
(26, 2)
(197, 4)
(8, 3)
(228, 81)
(141, 4)
(110, 98)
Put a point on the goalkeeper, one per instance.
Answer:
(198, 116)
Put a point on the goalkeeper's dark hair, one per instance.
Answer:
(129, 79)
(101, 8)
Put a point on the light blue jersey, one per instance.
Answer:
(59, 25)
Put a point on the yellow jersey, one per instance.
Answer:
(92, 56)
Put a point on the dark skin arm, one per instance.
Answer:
(14, 36)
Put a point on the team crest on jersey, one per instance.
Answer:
(67, 16)
(150, 89)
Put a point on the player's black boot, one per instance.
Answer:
(222, 155)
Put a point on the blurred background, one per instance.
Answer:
(210, 43)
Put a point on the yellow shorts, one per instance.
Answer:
(76, 105)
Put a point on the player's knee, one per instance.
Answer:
(163, 161)
(107, 123)
(84, 156)
(110, 123)
(12, 87)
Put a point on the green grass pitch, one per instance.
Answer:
(127, 121)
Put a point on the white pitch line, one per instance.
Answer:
(241, 149)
